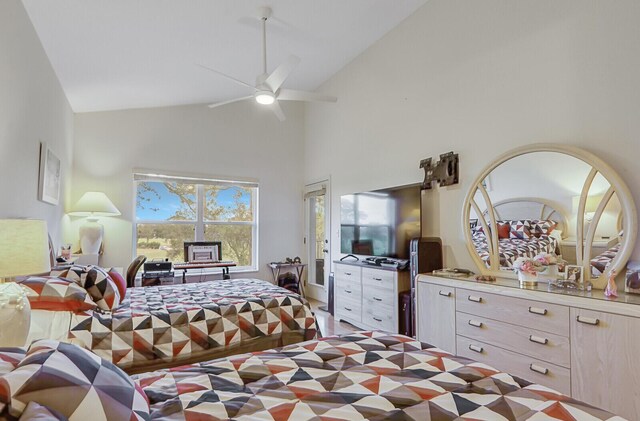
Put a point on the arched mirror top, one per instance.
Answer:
(528, 200)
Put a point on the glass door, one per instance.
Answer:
(317, 239)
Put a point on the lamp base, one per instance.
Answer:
(15, 315)
(91, 233)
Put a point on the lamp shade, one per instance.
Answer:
(24, 247)
(94, 203)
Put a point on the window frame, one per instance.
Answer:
(200, 224)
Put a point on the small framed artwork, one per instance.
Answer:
(573, 273)
(49, 182)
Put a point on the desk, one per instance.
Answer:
(299, 267)
(186, 266)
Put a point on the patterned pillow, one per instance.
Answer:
(98, 284)
(37, 412)
(520, 229)
(56, 294)
(73, 382)
(541, 227)
(10, 358)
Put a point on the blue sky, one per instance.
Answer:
(168, 203)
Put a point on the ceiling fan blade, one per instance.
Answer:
(295, 95)
(277, 109)
(282, 72)
(238, 81)
(219, 104)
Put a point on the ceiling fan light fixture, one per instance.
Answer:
(265, 97)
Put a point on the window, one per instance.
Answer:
(171, 210)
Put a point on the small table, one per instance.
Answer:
(299, 267)
(186, 266)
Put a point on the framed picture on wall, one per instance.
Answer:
(49, 181)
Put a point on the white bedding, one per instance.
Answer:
(49, 325)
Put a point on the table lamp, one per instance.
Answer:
(24, 250)
(93, 204)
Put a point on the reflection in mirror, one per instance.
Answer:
(535, 201)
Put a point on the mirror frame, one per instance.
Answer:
(617, 186)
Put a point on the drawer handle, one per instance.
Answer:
(538, 340)
(476, 348)
(538, 311)
(348, 291)
(348, 273)
(445, 294)
(588, 321)
(377, 299)
(538, 369)
(347, 308)
(377, 320)
(474, 299)
(377, 279)
(475, 323)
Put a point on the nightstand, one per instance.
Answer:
(600, 245)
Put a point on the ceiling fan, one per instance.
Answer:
(268, 89)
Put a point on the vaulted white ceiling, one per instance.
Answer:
(118, 54)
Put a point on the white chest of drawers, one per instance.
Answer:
(367, 297)
(583, 347)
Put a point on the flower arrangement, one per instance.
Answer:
(546, 259)
(528, 265)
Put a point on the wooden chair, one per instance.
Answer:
(133, 269)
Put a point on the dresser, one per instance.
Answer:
(368, 296)
(581, 344)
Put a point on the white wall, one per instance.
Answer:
(239, 140)
(33, 108)
(480, 78)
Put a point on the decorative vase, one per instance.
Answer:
(551, 272)
(528, 279)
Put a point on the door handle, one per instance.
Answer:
(538, 340)
(588, 320)
(476, 348)
(539, 369)
(538, 311)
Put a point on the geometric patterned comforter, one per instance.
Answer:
(170, 323)
(512, 248)
(601, 261)
(363, 375)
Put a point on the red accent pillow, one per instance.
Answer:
(503, 230)
(120, 282)
(56, 294)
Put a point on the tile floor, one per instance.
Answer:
(327, 323)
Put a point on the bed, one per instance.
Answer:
(601, 261)
(164, 326)
(526, 226)
(362, 375)
(511, 249)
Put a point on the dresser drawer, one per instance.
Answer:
(379, 317)
(534, 314)
(533, 343)
(378, 278)
(531, 369)
(349, 289)
(349, 308)
(376, 296)
(348, 272)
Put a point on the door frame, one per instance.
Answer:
(318, 292)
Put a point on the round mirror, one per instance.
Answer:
(553, 200)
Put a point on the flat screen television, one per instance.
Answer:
(380, 223)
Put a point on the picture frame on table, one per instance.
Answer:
(50, 176)
(573, 273)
